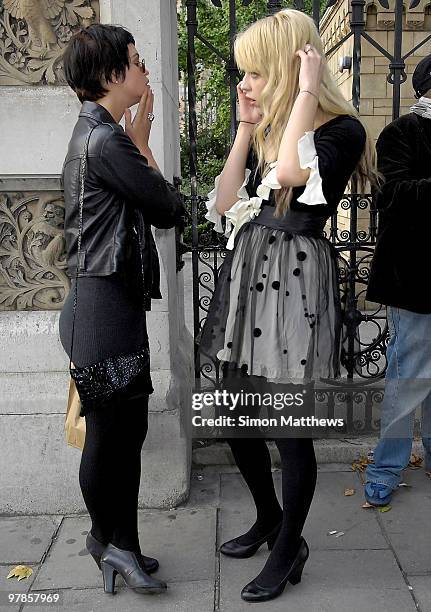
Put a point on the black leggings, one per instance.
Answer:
(299, 474)
(110, 469)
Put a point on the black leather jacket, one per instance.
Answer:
(123, 196)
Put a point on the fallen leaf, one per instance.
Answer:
(361, 464)
(384, 508)
(20, 572)
(415, 461)
(332, 532)
(348, 492)
(339, 534)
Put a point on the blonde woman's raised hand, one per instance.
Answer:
(248, 112)
(139, 129)
(311, 71)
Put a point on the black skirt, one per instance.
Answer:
(110, 321)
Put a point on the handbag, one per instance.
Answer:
(74, 424)
(95, 383)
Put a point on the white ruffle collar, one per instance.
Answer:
(247, 208)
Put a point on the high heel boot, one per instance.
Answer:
(118, 561)
(96, 550)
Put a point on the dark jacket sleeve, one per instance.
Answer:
(396, 159)
(124, 170)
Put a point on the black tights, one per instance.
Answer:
(110, 469)
(299, 473)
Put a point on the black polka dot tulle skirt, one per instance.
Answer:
(276, 309)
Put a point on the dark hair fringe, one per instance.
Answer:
(93, 54)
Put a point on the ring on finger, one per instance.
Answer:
(150, 116)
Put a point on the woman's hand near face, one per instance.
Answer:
(302, 118)
(311, 71)
(139, 129)
(247, 111)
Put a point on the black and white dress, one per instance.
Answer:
(276, 309)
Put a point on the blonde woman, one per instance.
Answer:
(275, 315)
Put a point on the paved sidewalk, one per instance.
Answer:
(381, 563)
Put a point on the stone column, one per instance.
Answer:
(38, 472)
(166, 457)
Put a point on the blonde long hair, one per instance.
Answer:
(268, 47)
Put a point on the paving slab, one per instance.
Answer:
(11, 586)
(237, 511)
(422, 591)
(183, 540)
(194, 596)
(408, 523)
(352, 573)
(68, 563)
(331, 510)
(9, 607)
(333, 580)
(24, 539)
(204, 489)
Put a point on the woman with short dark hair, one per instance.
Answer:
(113, 192)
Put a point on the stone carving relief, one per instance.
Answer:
(32, 251)
(33, 34)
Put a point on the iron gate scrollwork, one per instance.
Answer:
(365, 335)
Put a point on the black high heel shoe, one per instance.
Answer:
(254, 592)
(96, 550)
(117, 561)
(233, 548)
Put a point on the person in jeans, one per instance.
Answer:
(399, 274)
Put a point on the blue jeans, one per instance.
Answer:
(407, 386)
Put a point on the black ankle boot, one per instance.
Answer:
(255, 592)
(125, 562)
(233, 548)
(96, 550)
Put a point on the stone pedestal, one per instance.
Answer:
(38, 472)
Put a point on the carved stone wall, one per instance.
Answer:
(33, 34)
(32, 251)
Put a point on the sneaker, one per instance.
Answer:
(378, 494)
